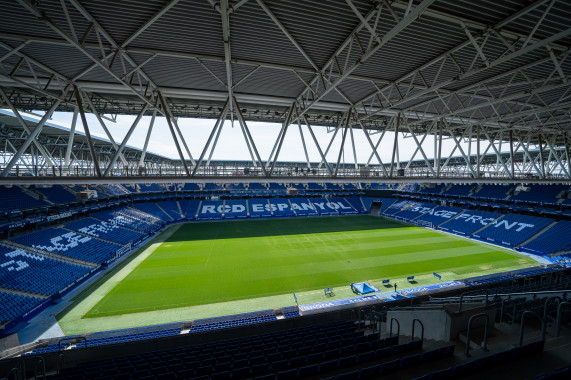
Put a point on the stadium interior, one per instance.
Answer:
(444, 254)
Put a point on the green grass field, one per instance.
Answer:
(216, 262)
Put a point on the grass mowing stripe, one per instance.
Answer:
(210, 262)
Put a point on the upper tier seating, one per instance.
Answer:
(350, 186)
(14, 198)
(57, 194)
(70, 243)
(493, 192)
(439, 215)
(190, 187)
(315, 186)
(459, 190)
(542, 194)
(14, 305)
(235, 187)
(513, 229)
(152, 209)
(256, 186)
(433, 190)
(106, 231)
(212, 187)
(149, 187)
(302, 206)
(469, 221)
(171, 208)
(113, 190)
(25, 271)
(555, 239)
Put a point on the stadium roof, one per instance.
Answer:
(496, 70)
(496, 63)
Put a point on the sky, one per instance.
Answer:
(231, 144)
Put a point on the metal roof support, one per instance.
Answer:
(373, 147)
(512, 154)
(102, 123)
(30, 139)
(87, 133)
(498, 154)
(353, 144)
(70, 139)
(395, 144)
(38, 145)
(323, 160)
(217, 127)
(36, 12)
(541, 161)
(280, 141)
(227, 52)
(478, 151)
(411, 17)
(248, 136)
(567, 156)
(303, 144)
(528, 155)
(169, 122)
(145, 26)
(119, 151)
(558, 158)
(419, 147)
(342, 148)
(175, 123)
(149, 131)
(216, 140)
(330, 142)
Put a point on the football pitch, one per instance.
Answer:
(201, 265)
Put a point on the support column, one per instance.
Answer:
(395, 144)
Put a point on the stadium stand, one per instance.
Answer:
(542, 194)
(302, 207)
(152, 209)
(259, 208)
(469, 221)
(189, 208)
(21, 270)
(129, 218)
(356, 203)
(386, 203)
(235, 209)
(212, 187)
(513, 229)
(397, 206)
(458, 190)
(14, 198)
(106, 231)
(555, 239)
(436, 189)
(415, 210)
(210, 210)
(439, 215)
(192, 187)
(171, 208)
(342, 206)
(367, 201)
(492, 192)
(323, 206)
(281, 207)
(56, 194)
(111, 190)
(149, 188)
(15, 305)
(71, 244)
